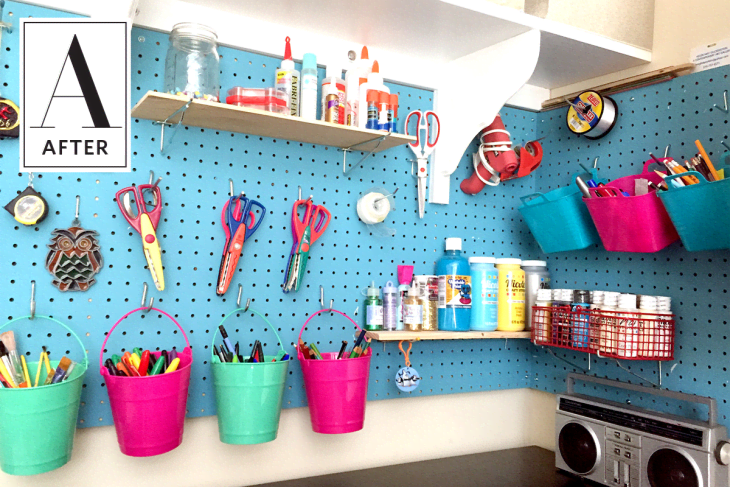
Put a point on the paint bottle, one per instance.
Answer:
(405, 276)
(412, 311)
(390, 306)
(287, 80)
(373, 309)
(354, 77)
(594, 320)
(334, 84)
(383, 105)
(648, 326)
(428, 298)
(454, 285)
(511, 295)
(308, 108)
(579, 326)
(330, 103)
(607, 323)
(393, 113)
(542, 330)
(484, 292)
(374, 83)
(628, 326)
(536, 277)
(372, 113)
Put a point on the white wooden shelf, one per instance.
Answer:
(231, 118)
(396, 336)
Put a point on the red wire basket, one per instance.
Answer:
(614, 334)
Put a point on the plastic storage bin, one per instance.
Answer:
(632, 223)
(267, 99)
(700, 212)
(559, 220)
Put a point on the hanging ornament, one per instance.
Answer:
(29, 207)
(9, 118)
(75, 256)
(407, 378)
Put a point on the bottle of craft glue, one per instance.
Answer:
(373, 309)
(287, 80)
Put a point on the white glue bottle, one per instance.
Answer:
(390, 307)
(308, 105)
(287, 80)
(355, 76)
(375, 83)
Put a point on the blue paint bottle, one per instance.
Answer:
(485, 287)
(454, 288)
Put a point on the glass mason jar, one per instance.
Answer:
(192, 63)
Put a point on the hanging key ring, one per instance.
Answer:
(406, 352)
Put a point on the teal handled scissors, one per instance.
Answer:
(306, 231)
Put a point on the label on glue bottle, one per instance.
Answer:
(454, 291)
(375, 315)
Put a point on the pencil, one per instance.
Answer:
(25, 371)
(707, 160)
(46, 361)
(38, 374)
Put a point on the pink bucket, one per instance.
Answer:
(149, 412)
(632, 223)
(336, 389)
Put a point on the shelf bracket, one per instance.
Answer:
(379, 140)
(565, 360)
(640, 377)
(167, 123)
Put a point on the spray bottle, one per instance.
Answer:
(374, 83)
(373, 309)
(308, 106)
(359, 71)
(390, 307)
(287, 80)
(405, 276)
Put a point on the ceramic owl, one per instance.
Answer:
(74, 259)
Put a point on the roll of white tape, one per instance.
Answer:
(370, 211)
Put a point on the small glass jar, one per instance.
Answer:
(192, 63)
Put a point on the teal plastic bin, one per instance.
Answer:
(700, 212)
(559, 220)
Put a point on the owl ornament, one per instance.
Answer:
(74, 257)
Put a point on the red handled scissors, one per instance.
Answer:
(306, 231)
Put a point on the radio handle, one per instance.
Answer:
(708, 401)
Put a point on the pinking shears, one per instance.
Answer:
(428, 129)
(239, 223)
(144, 217)
(306, 231)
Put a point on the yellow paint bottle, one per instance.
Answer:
(511, 295)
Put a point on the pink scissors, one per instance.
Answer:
(428, 129)
(306, 231)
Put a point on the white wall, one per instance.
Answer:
(679, 26)
(396, 431)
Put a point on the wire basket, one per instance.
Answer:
(614, 334)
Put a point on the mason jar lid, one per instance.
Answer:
(191, 29)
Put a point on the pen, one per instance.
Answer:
(261, 352)
(224, 334)
(342, 349)
(217, 353)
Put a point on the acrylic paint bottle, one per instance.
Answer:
(664, 328)
(454, 281)
(542, 325)
(608, 323)
(511, 293)
(628, 326)
(393, 113)
(536, 277)
(372, 110)
(412, 311)
(405, 276)
(330, 103)
(373, 309)
(648, 326)
(594, 320)
(390, 307)
(484, 294)
(309, 86)
(579, 326)
(287, 80)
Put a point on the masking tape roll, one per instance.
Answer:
(370, 211)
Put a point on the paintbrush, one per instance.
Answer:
(60, 371)
(8, 338)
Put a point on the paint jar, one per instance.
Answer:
(579, 327)
(373, 309)
(428, 298)
(561, 317)
(607, 323)
(542, 331)
(412, 310)
(484, 293)
(628, 327)
(390, 306)
(647, 326)
(511, 295)
(454, 285)
(536, 277)
(192, 63)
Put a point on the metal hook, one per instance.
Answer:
(566, 361)
(321, 299)
(300, 193)
(76, 221)
(595, 163)
(230, 187)
(30, 179)
(32, 299)
(144, 299)
(666, 150)
(240, 291)
(725, 144)
(724, 97)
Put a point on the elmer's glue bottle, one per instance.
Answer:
(287, 80)
(374, 83)
(355, 76)
(454, 288)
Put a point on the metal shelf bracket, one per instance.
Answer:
(379, 140)
(174, 126)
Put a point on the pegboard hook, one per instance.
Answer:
(76, 221)
(180, 111)
(321, 299)
(32, 299)
(230, 191)
(666, 150)
(30, 179)
(724, 144)
(4, 25)
(724, 97)
(144, 299)
(379, 140)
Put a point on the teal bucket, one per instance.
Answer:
(248, 396)
(37, 425)
(559, 220)
(700, 212)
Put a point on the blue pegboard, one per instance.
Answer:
(195, 173)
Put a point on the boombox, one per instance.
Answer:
(616, 444)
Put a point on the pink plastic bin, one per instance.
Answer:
(632, 223)
(337, 390)
(149, 412)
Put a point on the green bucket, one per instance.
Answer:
(37, 425)
(249, 395)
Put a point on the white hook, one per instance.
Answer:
(666, 150)
(240, 291)
(321, 299)
(32, 299)
(230, 187)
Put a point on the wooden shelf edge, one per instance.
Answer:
(395, 336)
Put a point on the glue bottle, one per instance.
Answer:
(373, 309)
(374, 83)
(287, 80)
(308, 108)
(372, 112)
(354, 77)
(454, 288)
(390, 306)
(334, 84)
(412, 310)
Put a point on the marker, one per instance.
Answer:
(173, 354)
(342, 350)
(144, 363)
(224, 334)
(153, 361)
(138, 351)
(136, 360)
(173, 366)
(116, 359)
(123, 369)
(165, 358)
(157, 369)
(220, 355)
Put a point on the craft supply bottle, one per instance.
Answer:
(330, 103)
(536, 277)
(287, 80)
(541, 329)
(390, 306)
(594, 320)
(372, 113)
(454, 284)
(375, 83)
(383, 104)
(373, 309)
(608, 323)
(665, 329)
(354, 77)
(628, 326)
(560, 324)
(405, 276)
(308, 108)
(484, 293)
(412, 311)
(428, 298)
(648, 326)
(393, 113)
(334, 84)
(579, 326)
(511, 291)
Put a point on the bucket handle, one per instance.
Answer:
(103, 345)
(525, 198)
(652, 161)
(86, 354)
(699, 177)
(244, 310)
(299, 352)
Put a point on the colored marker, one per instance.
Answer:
(157, 369)
(173, 366)
(144, 363)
